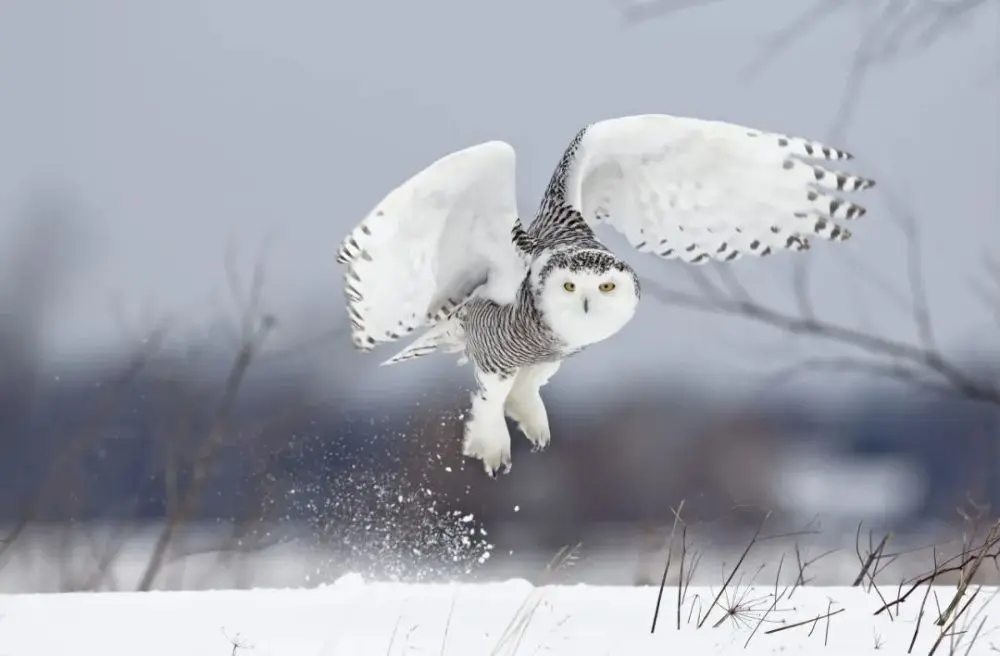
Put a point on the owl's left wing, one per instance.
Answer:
(441, 235)
(702, 190)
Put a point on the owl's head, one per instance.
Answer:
(585, 295)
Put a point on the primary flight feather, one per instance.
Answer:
(446, 251)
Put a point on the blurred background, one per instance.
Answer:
(180, 406)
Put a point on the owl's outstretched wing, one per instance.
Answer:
(705, 190)
(431, 242)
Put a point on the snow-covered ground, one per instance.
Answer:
(355, 618)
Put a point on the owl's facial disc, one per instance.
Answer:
(587, 298)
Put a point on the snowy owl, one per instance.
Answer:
(446, 250)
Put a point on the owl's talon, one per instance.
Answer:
(502, 469)
(524, 404)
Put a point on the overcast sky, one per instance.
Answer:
(180, 127)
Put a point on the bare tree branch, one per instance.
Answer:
(256, 326)
(111, 395)
(915, 269)
(922, 358)
(800, 285)
(638, 11)
(901, 28)
(890, 370)
(793, 31)
(309, 346)
(989, 297)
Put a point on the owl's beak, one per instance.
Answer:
(586, 305)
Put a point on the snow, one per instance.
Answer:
(354, 617)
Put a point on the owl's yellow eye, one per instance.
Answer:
(568, 286)
(606, 286)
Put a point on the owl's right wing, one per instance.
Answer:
(700, 190)
(431, 242)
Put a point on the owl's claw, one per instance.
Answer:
(503, 469)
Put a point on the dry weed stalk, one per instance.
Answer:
(969, 573)
(970, 559)
(955, 637)
(969, 564)
(803, 564)
(739, 564)
(923, 605)
(739, 608)
(776, 598)
(826, 632)
(666, 568)
(447, 623)
(737, 605)
(686, 577)
(237, 642)
(949, 629)
(879, 642)
(869, 563)
(814, 621)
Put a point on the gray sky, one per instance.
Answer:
(184, 126)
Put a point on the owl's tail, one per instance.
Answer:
(447, 336)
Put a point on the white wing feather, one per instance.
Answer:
(431, 242)
(707, 190)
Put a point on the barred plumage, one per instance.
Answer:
(446, 249)
(558, 222)
(500, 339)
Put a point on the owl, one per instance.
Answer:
(447, 253)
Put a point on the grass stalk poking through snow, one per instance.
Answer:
(518, 625)
(666, 569)
(739, 564)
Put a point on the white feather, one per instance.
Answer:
(698, 190)
(431, 242)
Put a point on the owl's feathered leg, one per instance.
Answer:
(525, 405)
(486, 434)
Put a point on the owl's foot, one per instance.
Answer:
(486, 436)
(525, 406)
(488, 444)
(529, 413)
